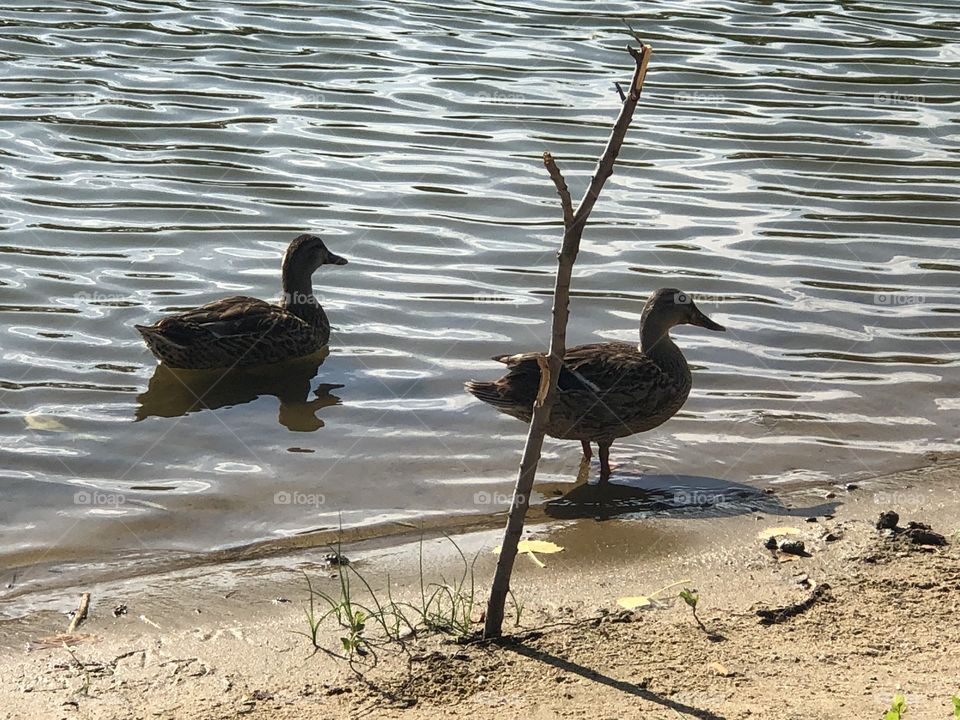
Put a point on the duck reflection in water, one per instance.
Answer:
(174, 393)
(638, 495)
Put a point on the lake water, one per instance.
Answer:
(793, 164)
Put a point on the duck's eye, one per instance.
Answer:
(682, 299)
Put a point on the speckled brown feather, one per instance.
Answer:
(605, 391)
(237, 331)
(243, 331)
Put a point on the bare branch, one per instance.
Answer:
(550, 369)
(610, 153)
(562, 190)
(630, 31)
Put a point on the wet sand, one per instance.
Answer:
(870, 616)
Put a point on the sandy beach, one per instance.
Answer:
(837, 632)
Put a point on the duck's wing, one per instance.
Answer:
(606, 368)
(595, 368)
(597, 361)
(597, 371)
(231, 317)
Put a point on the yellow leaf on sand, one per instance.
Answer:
(633, 602)
(778, 532)
(720, 669)
(538, 546)
(535, 546)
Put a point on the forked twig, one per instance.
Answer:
(574, 222)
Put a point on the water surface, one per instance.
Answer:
(793, 164)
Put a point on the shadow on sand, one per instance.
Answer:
(632, 495)
(174, 393)
(598, 677)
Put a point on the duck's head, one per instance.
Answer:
(668, 307)
(307, 253)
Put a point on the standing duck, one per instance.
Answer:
(244, 331)
(607, 390)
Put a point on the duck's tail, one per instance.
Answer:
(489, 392)
(502, 397)
(154, 336)
(148, 333)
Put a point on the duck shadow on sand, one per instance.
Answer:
(681, 496)
(174, 393)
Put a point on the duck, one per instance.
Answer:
(607, 390)
(243, 331)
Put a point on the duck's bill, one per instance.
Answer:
(337, 260)
(701, 320)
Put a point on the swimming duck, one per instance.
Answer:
(607, 390)
(244, 331)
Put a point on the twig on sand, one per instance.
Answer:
(779, 615)
(149, 622)
(81, 613)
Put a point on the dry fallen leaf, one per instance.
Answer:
(633, 602)
(720, 669)
(535, 546)
(778, 532)
(539, 546)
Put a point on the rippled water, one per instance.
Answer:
(795, 164)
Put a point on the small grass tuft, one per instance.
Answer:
(444, 607)
(691, 598)
(517, 608)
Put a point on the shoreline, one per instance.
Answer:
(19, 586)
(237, 623)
